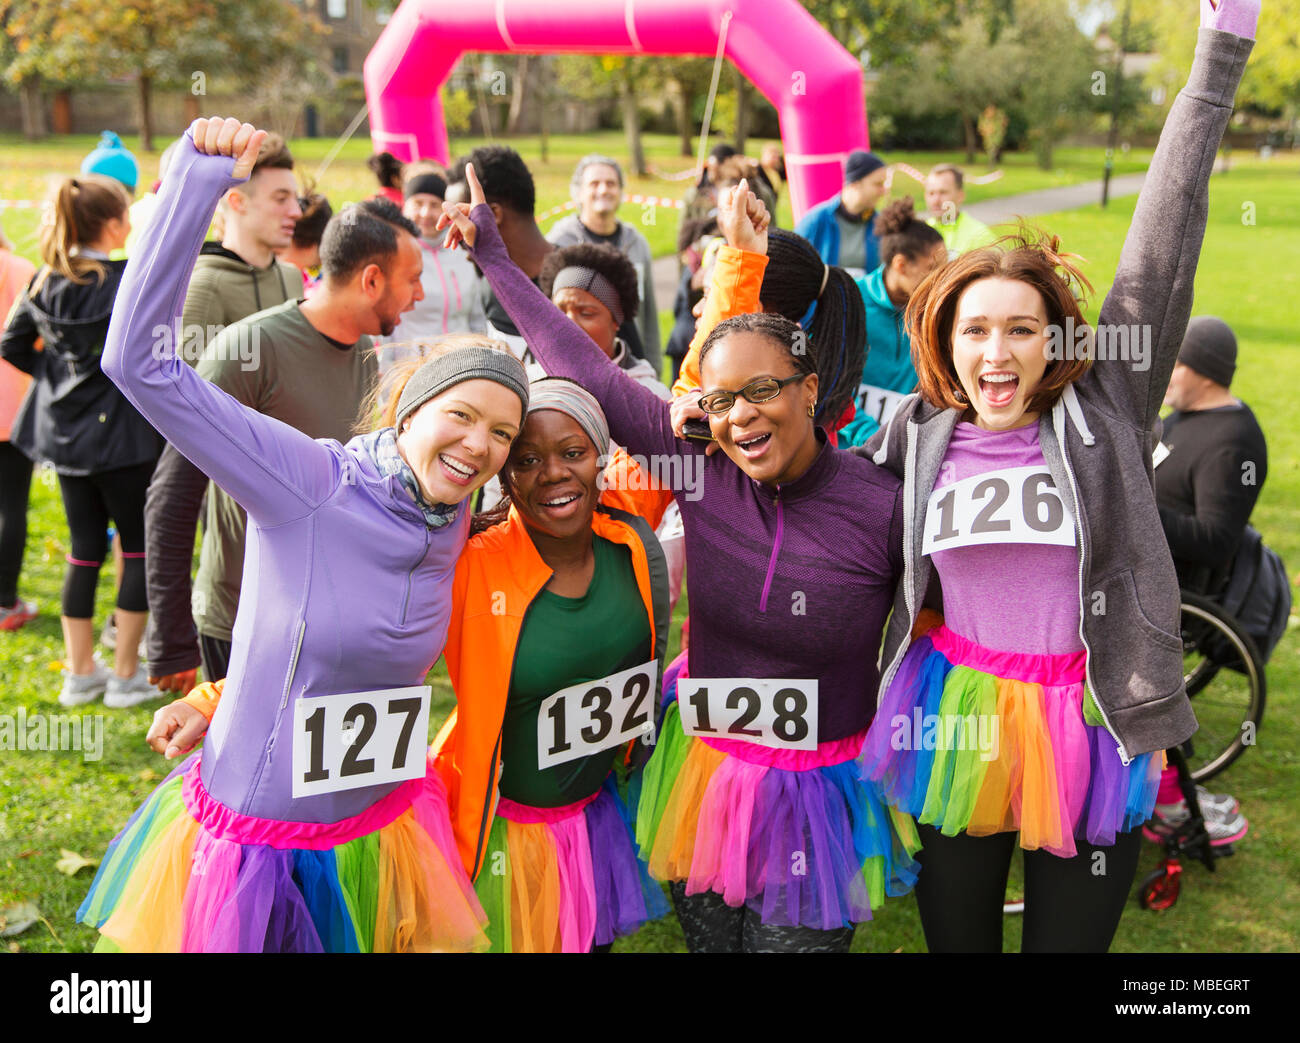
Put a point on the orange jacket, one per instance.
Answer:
(499, 575)
(733, 290)
(629, 488)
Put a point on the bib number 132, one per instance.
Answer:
(586, 718)
(343, 742)
(778, 713)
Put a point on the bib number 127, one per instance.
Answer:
(777, 713)
(343, 742)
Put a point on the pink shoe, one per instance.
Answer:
(17, 614)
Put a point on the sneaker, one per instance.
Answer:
(17, 614)
(79, 689)
(1224, 803)
(130, 691)
(1224, 826)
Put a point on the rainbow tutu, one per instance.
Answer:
(565, 879)
(793, 834)
(972, 740)
(187, 874)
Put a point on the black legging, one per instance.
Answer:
(90, 501)
(15, 486)
(711, 925)
(1071, 904)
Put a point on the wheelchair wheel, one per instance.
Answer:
(1225, 681)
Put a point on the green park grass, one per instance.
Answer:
(29, 168)
(1249, 274)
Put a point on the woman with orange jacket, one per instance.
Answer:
(555, 649)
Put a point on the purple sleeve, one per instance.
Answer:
(638, 419)
(273, 471)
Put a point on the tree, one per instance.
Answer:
(157, 42)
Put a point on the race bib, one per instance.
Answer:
(343, 742)
(777, 713)
(595, 715)
(878, 402)
(1014, 505)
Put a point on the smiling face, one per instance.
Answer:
(999, 341)
(553, 475)
(772, 442)
(457, 441)
(600, 192)
(863, 195)
(587, 311)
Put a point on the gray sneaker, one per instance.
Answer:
(130, 691)
(79, 689)
(1222, 804)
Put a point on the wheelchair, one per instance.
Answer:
(1224, 673)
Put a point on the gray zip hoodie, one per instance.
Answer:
(1098, 438)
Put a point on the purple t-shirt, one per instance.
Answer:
(1009, 563)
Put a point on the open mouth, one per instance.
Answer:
(456, 471)
(755, 445)
(999, 389)
(560, 504)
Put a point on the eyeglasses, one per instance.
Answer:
(764, 389)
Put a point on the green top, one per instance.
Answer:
(962, 234)
(564, 642)
(279, 364)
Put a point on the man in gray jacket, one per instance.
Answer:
(597, 188)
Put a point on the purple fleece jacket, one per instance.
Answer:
(789, 582)
(346, 589)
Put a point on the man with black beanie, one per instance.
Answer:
(1211, 461)
(842, 228)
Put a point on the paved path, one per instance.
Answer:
(990, 211)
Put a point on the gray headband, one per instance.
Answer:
(574, 401)
(578, 278)
(456, 367)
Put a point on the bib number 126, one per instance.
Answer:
(586, 718)
(778, 713)
(343, 742)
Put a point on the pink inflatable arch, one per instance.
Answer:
(814, 83)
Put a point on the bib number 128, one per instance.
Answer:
(343, 742)
(778, 713)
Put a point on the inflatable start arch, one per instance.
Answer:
(814, 83)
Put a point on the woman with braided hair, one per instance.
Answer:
(909, 251)
(821, 298)
(751, 805)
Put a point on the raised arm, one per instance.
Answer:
(1153, 284)
(637, 417)
(273, 471)
(733, 290)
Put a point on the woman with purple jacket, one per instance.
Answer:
(309, 821)
(751, 805)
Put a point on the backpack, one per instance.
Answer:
(1258, 594)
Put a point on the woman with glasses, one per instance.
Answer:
(751, 806)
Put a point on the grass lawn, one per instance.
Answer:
(1248, 275)
(28, 167)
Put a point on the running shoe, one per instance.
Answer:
(17, 614)
(79, 689)
(108, 636)
(130, 691)
(1224, 803)
(1224, 826)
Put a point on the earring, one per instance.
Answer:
(812, 408)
